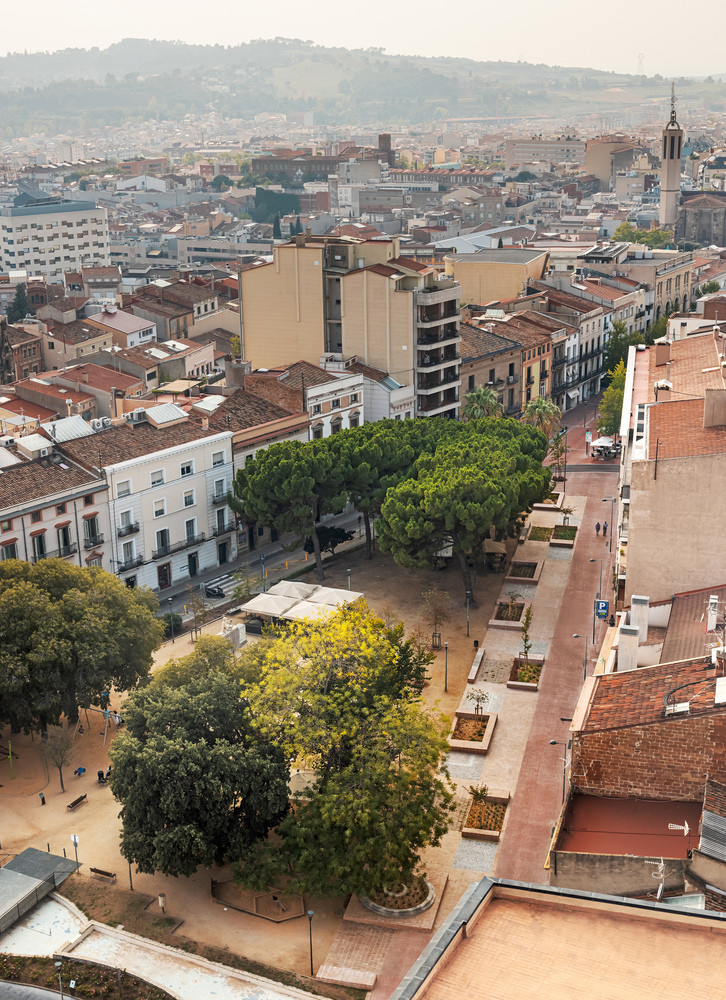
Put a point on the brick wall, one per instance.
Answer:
(715, 798)
(671, 759)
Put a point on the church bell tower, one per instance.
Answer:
(670, 169)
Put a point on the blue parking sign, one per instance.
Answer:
(602, 608)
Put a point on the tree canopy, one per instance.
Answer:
(337, 696)
(543, 414)
(656, 239)
(68, 635)
(618, 344)
(196, 780)
(481, 402)
(480, 479)
(611, 404)
(19, 308)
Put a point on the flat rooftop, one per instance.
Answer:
(599, 825)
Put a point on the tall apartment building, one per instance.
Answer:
(518, 152)
(338, 297)
(48, 237)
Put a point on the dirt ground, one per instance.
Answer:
(25, 822)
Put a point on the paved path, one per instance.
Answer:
(536, 803)
(18, 991)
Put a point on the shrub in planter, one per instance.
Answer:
(529, 673)
(538, 533)
(168, 619)
(565, 531)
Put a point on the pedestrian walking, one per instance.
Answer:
(597, 527)
(42, 798)
(604, 529)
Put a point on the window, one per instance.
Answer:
(6, 525)
(217, 458)
(35, 516)
(127, 552)
(9, 551)
(51, 345)
(491, 375)
(354, 420)
(354, 397)
(470, 387)
(336, 426)
(316, 408)
(96, 561)
(39, 549)
(157, 478)
(88, 500)
(123, 489)
(190, 528)
(60, 508)
(162, 541)
(187, 469)
(335, 404)
(159, 508)
(189, 498)
(220, 488)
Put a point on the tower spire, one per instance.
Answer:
(673, 100)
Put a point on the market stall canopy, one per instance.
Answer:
(293, 601)
(603, 442)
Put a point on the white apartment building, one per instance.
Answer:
(168, 479)
(48, 237)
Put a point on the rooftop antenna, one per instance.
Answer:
(660, 874)
(684, 827)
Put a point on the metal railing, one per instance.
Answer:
(92, 541)
(128, 529)
(131, 564)
(167, 550)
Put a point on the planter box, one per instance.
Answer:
(503, 623)
(563, 543)
(554, 505)
(516, 685)
(474, 746)
(512, 577)
(475, 832)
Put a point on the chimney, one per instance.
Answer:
(662, 352)
(85, 377)
(712, 617)
(639, 616)
(714, 408)
(300, 239)
(627, 648)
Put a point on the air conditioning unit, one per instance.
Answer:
(106, 421)
(510, 379)
(97, 423)
(44, 452)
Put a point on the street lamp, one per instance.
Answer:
(58, 966)
(576, 635)
(594, 603)
(311, 914)
(262, 563)
(446, 666)
(131, 881)
(348, 572)
(564, 482)
(468, 601)
(559, 743)
(74, 840)
(171, 619)
(611, 501)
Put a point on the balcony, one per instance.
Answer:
(558, 362)
(225, 529)
(92, 541)
(128, 529)
(512, 379)
(443, 335)
(543, 374)
(433, 404)
(167, 550)
(132, 563)
(437, 380)
(219, 498)
(65, 550)
(592, 353)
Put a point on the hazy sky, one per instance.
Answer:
(623, 35)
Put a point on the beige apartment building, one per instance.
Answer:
(495, 275)
(342, 297)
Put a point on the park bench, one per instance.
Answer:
(76, 802)
(471, 678)
(100, 873)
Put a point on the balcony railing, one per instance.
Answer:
(512, 379)
(61, 553)
(225, 529)
(219, 498)
(92, 541)
(558, 362)
(131, 564)
(128, 529)
(167, 550)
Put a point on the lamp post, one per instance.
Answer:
(311, 914)
(559, 743)
(468, 601)
(171, 619)
(576, 635)
(74, 841)
(262, 564)
(564, 482)
(599, 592)
(446, 666)
(611, 501)
(131, 881)
(58, 966)
(348, 572)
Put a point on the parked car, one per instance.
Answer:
(214, 592)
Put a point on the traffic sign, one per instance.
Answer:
(588, 437)
(602, 609)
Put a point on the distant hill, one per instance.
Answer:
(134, 80)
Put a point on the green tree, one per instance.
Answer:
(69, 635)
(558, 452)
(656, 330)
(220, 183)
(483, 478)
(330, 694)
(276, 231)
(329, 537)
(288, 486)
(298, 226)
(618, 344)
(611, 404)
(19, 308)
(481, 402)
(57, 749)
(196, 780)
(543, 414)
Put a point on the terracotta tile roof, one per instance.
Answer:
(76, 332)
(247, 408)
(270, 388)
(637, 697)
(478, 342)
(686, 634)
(676, 429)
(383, 269)
(31, 481)
(56, 393)
(16, 336)
(127, 441)
(409, 264)
(605, 292)
(29, 409)
(565, 300)
(688, 372)
(294, 374)
(99, 377)
(358, 368)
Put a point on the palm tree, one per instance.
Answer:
(482, 402)
(543, 414)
